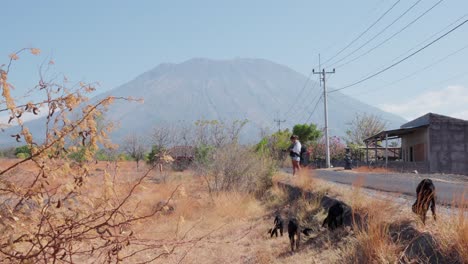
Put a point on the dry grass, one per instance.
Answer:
(452, 230)
(372, 169)
(373, 240)
(234, 225)
(244, 222)
(373, 243)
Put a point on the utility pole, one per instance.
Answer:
(323, 75)
(279, 121)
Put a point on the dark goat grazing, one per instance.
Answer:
(336, 215)
(294, 233)
(425, 197)
(278, 225)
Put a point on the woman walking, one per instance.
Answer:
(295, 153)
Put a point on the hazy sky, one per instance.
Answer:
(114, 41)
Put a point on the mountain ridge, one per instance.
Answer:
(227, 89)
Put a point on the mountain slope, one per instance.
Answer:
(252, 89)
(231, 89)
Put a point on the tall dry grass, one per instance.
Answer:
(372, 169)
(239, 169)
(452, 230)
(372, 242)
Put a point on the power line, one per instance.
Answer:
(279, 121)
(430, 37)
(371, 11)
(364, 32)
(304, 97)
(389, 38)
(306, 112)
(305, 109)
(301, 102)
(299, 95)
(367, 91)
(400, 61)
(310, 91)
(423, 68)
(315, 108)
(323, 74)
(378, 34)
(462, 74)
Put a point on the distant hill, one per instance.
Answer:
(253, 89)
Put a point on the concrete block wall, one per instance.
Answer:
(448, 145)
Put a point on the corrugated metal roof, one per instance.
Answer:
(182, 151)
(394, 133)
(429, 118)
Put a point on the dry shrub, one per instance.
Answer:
(238, 168)
(59, 205)
(235, 205)
(373, 243)
(452, 230)
(304, 179)
(373, 169)
(357, 199)
(307, 212)
(275, 197)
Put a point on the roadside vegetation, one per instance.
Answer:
(71, 196)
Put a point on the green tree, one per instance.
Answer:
(275, 144)
(307, 133)
(23, 152)
(155, 151)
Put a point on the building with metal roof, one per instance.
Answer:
(431, 143)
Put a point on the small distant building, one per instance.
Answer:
(431, 143)
(182, 153)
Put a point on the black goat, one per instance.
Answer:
(336, 215)
(425, 197)
(294, 233)
(278, 225)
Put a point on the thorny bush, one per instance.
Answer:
(238, 168)
(48, 211)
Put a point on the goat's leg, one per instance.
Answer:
(325, 221)
(291, 240)
(298, 241)
(433, 207)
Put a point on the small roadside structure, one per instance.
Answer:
(432, 143)
(183, 156)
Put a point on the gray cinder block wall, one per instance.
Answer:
(448, 145)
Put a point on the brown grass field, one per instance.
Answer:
(230, 227)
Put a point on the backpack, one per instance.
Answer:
(303, 151)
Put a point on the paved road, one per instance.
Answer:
(398, 183)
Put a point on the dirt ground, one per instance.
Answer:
(200, 227)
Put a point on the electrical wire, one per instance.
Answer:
(302, 100)
(315, 108)
(305, 110)
(378, 34)
(391, 37)
(420, 70)
(400, 61)
(364, 32)
(300, 92)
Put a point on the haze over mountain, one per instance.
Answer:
(253, 89)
